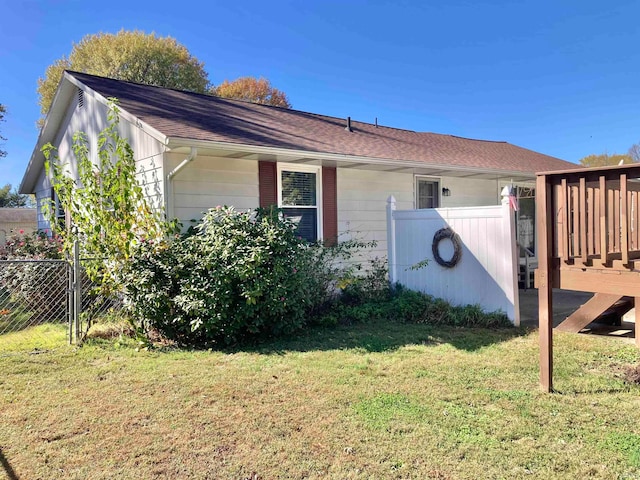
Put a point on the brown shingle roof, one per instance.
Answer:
(179, 114)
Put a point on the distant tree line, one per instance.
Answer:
(604, 159)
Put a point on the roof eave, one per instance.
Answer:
(55, 116)
(177, 142)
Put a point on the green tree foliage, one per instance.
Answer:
(10, 198)
(3, 111)
(251, 89)
(605, 159)
(128, 55)
(108, 208)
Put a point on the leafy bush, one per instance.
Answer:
(34, 246)
(408, 306)
(238, 275)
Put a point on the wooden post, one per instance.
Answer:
(565, 220)
(544, 216)
(637, 327)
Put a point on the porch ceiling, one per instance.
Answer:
(382, 165)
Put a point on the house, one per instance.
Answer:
(332, 174)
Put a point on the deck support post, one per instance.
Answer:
(544, 215)
(636, 302)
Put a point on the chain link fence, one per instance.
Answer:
(45, 303)
(95, 304)
(34, 303)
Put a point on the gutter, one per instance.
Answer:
(170, 207)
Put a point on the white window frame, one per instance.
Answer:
(294, 167)
(436, 180)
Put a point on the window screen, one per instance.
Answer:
(300, 202)
(427, 193)
(298, 188)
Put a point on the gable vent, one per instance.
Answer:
(80, 98)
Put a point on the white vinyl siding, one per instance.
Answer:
(207, 182)
(470, 192)
(362, 203)
(91, 118)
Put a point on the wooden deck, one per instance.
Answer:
(588, 227)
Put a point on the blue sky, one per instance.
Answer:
(559, 77)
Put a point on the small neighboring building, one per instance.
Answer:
(14, 220)
(332, 174)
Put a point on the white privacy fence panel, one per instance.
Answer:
(486, 273)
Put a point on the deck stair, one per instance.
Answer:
(600, 307)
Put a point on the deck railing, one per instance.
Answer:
(597, 216)
(588, 231)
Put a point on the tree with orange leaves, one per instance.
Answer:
(257, 90)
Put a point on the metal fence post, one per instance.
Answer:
(70, 297)
(77, 299)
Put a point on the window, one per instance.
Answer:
(298, 194)
(60, 214)
(526, 218)
(427, 193)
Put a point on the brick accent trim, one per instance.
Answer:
(268, 184)
(329, 205)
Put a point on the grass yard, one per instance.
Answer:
(45, 336)
(363, 401)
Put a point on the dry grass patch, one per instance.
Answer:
(366, 401)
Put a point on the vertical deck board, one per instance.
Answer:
(575, 215)
(603, 219)
(637, 329)
(596, 221)
(610, 240)
(590, 226)
(582, 203)
(544, 217)
(565, 219)
(616, 220)
(636, 220)
(624, 225)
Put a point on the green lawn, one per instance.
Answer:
(40, 337)
(363, 401)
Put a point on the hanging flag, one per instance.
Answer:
(513, 198)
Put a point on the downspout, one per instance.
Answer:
(170, 207)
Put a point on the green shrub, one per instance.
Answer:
(408, 306)
(238, 275)
(32, 246)
(372, 285)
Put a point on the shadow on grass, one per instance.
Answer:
(382, 337)
(6, 466)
